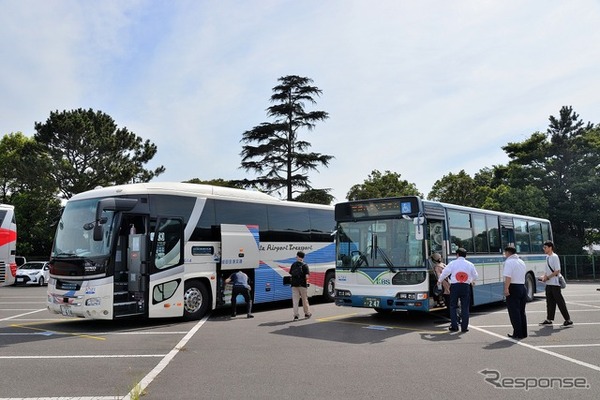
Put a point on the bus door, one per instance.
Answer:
(131, 267)
(239, 251)
(165, 276)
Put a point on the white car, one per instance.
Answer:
(33, 273)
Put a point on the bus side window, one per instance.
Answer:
(168, 243)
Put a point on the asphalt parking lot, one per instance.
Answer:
(340, 353)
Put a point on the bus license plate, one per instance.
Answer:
(66, 311)
(372, 302)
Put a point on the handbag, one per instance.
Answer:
(561, 279)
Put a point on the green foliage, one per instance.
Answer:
(315, 196)
(379, 185)
(564, 164)
(279, 157)
(525, 201)
(457, 189)
(87, 150)
(25, 183)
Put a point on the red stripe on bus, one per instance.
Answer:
(7, 236)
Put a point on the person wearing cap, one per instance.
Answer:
(462, 275)
(515, 292)
(299, 272)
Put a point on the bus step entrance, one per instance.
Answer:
(126, 309)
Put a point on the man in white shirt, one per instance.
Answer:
(554, 295)
(515, 292)
(462, 275)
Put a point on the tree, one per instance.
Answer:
(564, 164)
(525, 201)
(316, 196)
(379, 185)
(455, 189)
(88, 150)
(26, 184)
(279, 156)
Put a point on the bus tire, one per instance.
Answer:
(196, 300)
(530, 286)
(329, 287)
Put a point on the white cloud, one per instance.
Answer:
(419, 88)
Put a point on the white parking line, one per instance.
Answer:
(569, 345)
(62, 398)
(51, 333)
(143, 384)
(87, 356)
(22, 315)
(538, 348)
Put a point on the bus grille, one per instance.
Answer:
(2, 272)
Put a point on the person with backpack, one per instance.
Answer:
(299, 272)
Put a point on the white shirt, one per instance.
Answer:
(554, 262)
(460, 271)
(514, 268)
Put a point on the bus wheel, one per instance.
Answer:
(530, 286)
(329, 287)
(196, 300)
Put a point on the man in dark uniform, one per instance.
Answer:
(239, 281)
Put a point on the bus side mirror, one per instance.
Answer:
(98, 232)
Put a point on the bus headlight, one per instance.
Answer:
(411, 296)
(93, 302)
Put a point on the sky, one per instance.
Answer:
(420, 88)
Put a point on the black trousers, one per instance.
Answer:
(555, 298)
(460, 291)
(515, 303)
(244, 291)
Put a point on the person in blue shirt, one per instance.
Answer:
(239, 281)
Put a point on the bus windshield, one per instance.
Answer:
(75, 231)
(388, 243)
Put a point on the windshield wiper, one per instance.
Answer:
(386, 259)
(359, 261)
(65, 255)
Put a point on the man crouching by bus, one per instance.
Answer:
(462, 274)
(240, 284)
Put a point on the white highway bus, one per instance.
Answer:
(383, 247)
(8, 245)
(156, 250)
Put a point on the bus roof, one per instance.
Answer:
(188, 189)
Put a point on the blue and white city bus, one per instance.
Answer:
(158, 250)
(383, 248)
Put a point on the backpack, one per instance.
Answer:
(297, 273)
